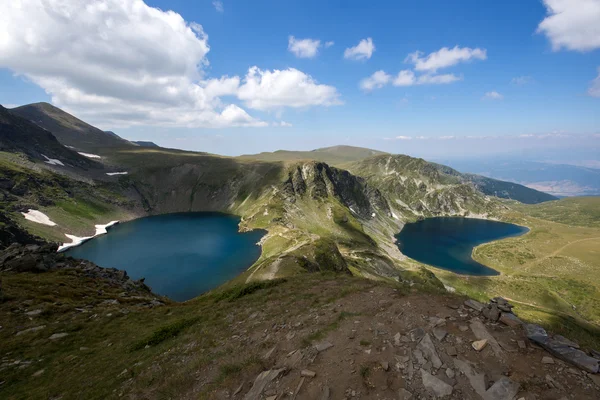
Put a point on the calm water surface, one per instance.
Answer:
(448, 242)
(180, 255)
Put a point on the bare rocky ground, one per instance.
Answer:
(379, 344)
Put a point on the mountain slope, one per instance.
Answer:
(396, 169)
(68, 129)
(18, 135)
(331, 155)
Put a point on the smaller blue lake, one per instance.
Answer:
(448, 242)
(180, 255)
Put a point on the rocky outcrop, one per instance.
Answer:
(318, 180)
(36, 258)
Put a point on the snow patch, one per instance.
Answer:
(77, 240)
(88, 155)
(116, 173)
(394, 215)
(53, 161)
(38, 217)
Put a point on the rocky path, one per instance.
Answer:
(379, 345)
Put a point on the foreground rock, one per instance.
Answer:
(562, 349)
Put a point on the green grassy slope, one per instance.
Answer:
(331, 155)
(579, 211)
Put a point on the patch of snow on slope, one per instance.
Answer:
(116, 173)
(53, 161)
(38, 217)
(88, 155)
(77, 240)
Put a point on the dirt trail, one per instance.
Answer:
(556, 252)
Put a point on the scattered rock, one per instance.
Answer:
(451, 351)
(521, 344)
(547, 360)
(322, 346)
(476, 379)
(503, 389)
(308, 373)
(325, 393)
(261, 381)
(450, 373)
(554, 383)
(475, 305)
(479, 345)
(482, 333)
(463, 328)
(34, 329)
(385, 365)
(439, 333)
(269, 353)
(428, 349)
(58, 336)
(397, 339)
(510, 319)
(417, 334)
(38, 373)
(595, 378)
(435, 385)
(34, 313)
(491, 312)
(404, 394)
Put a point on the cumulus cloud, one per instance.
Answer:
(493, 95)
(303, 48)
(265, 90)
(362, 51)
(403, 137)
(376, 81)
(329, 44)
(218, 4)
(121, 62)
(594, 89)
(444, 57)
(572, 24)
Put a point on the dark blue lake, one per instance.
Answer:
(180, 255)
(448, 242)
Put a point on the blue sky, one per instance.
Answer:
(519, 83)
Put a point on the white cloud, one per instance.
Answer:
(120, 62)
(303, 48)
(437, 79)
(282, 124)
(405, 78)
(362, 51)
(493, 95)
(572, 24)
(218, 4)
(447, 137)
(329, 44)
(376, 81)
(594, 89)
(264, 90)
(403, 137)
(444, 57)
(521, 80)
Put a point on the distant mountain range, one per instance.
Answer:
(556, 179)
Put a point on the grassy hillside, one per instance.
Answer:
(331, 155)
(579, 211)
